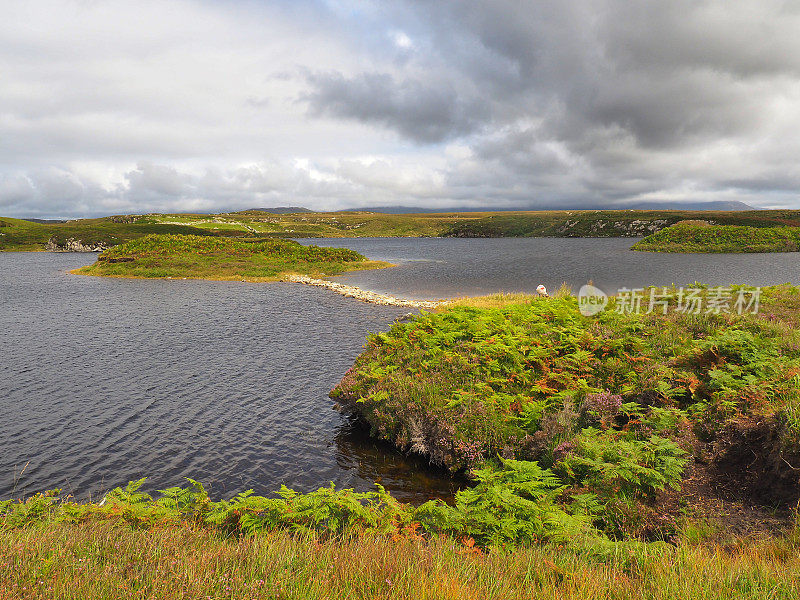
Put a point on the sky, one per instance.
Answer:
(119, 107)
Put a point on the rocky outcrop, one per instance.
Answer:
(73, 245)
(363, 295)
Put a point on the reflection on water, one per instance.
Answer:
(380, 462)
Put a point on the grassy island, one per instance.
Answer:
(222, 258)
(699, 236)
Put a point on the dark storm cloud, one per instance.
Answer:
(669, 73)
(628, 90)
(422, 111)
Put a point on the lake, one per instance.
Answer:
(430, 268)
(107, 380)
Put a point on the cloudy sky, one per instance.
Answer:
(110, 107)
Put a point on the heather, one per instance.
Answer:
(620, 408)
(209, 257)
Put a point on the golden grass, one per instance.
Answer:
(107, 560)
(497, 300)
(283, 276)
(502, 299)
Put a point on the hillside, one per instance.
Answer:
(597, 223)
(16, 234)
(21, 236)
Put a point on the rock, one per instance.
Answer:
(363, 295)
(73, 245)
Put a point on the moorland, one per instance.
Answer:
(21, 235)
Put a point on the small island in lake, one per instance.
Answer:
(220, 258)
(702, 236)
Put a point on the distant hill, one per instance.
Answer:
(655, 205)
(279, 210)
(711, 205)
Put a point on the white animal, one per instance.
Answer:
(542, 291)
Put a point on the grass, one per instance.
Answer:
(325, 545)
(336, 224)
(607, 223)
(699, 236)
(109, 561)
(23, 236)
(205, 257)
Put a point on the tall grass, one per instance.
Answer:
(110, 561)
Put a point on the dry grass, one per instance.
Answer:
(503, 299)
(104, 560)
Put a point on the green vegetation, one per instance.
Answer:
(621, 455)
(618, 409)
(204, 257)
(16, 234)
(607, 223)
(700, 236)
(21, 236)
(311, 225)
(341, 544)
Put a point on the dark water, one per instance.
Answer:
(442, 267)
(107, 380)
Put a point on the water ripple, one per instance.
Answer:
(107, 380)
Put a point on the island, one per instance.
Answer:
(702, 236)
(176, 256)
